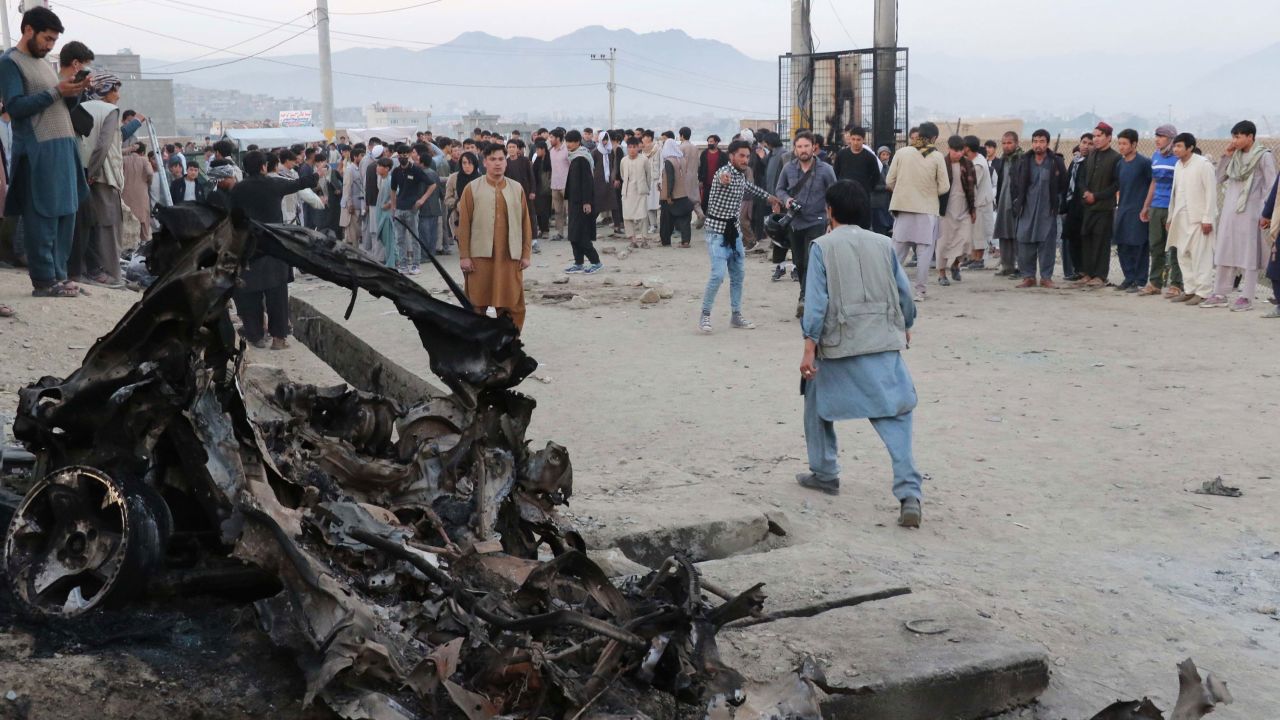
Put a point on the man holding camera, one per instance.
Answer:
(852, 365)
(804, 181)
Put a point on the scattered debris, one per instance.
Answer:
(577, 302)
(561, 280)
(410, 554)
(1215, 487)
(650, 296)
(653, 282)
(1196, 698)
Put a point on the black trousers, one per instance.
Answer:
(250, 306)
(668, 224)
(1072, 225)
(800, 242)
(582, 236)
(1095, 242)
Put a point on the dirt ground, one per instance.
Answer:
(1061, 432)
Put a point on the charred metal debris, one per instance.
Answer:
(410, 555)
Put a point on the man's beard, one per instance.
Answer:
(38, 54)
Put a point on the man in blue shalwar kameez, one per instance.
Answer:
(47, 183)
(857, 318)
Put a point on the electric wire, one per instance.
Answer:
(384, 12)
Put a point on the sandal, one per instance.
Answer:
(62, 289)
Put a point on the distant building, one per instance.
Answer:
(382, 115)
(477, 119)
(151, 97)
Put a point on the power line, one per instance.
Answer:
(392, 10)
(708, 83)
(839, 20)
(755, 113)
(242, 42)
(231, 62)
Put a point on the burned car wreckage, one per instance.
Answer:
(414, 559)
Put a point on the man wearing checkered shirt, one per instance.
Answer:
(724, 242)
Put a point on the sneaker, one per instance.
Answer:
(574, 269)
(919, 297)
(704, 324)
(1213, 301)
(260, 343)
(279, 344)
(800, 310)
(593, 269)
(415, 270)
(811, 481)
(944, 281)
(537, 248)
(795, 275)
(910, 514)
(779, 272)
(1242, 305)
(557, 236)
(1274, 314)
(955, 273)
(740, 322)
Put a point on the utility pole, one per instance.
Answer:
(801, 110)
(612, 59)
(326, 69)
(4, 24)
(884, 93)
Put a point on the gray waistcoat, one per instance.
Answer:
(864, 315)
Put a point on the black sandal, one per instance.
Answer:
(62, 289)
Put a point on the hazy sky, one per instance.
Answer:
(1016, 28)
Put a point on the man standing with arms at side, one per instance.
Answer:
(984, 200)
(1102, 182)
(46, 183)
(495, 238)
(1246, 172)
(1193, 210)
(353, 204)
(855, 161)
(1165, 274)
(1073, 209)
(1006, 221)
(1131, 231)
(804, 181)
(918, 179)
(1037, 189)
(709, 163)
(559, 154)
(857, 371)
(580, 196)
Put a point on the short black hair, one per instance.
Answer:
(714, 137)
(254, 162)
(849, 203)
(737, 145)
(1129, 134)
(1041, 132)
(175, 163)
(991, 144)
(358, 149)
(127, 114)
(972, 143)
(540, 145)
(685, 133)
(588, 130)
(633, 141)
(320, 156)
(1187, 139)
(72, 51)
(573, 136)
(273, 162)
(423, 149)
(1244, 127)
(40, 19)
(402, 149)
(955, 142)
(468, 141)
(384, 162)
(1014, 136)
(558, 133)
(492, 148)
(928, 131)
(648, 133)
(287, 156)
(225, 148)
(668, 134)
(856, 130)
(1087, 136)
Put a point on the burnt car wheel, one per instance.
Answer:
(81, 539)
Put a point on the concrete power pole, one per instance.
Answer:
(612, 59)
(326, 69)
(4, 25)
(884, 91)
(801, 66)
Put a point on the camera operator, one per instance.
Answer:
(805, 181)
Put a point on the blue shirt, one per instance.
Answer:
(1162, 166)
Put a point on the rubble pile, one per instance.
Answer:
(408, 553)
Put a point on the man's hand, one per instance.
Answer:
(533, 196)
(617, 184)
(775, 204)
(418, 205)
(724, 179)
(1088, 198)
(140, 117)
(71, 88)
(973, 216)
(525, 263)
(586, 208)
(1206, 228)
(386, 206)
(467, 265)
(1265, 223)
(908, 339)
(1145, 215)
(809, 363)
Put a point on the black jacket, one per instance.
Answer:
(580, 187)
(1022, 181)
(259, 197)
(178, 189)
(862, 168)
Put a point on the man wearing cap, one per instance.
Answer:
(918, 178)
(1102, 182)
(1246, 172)
(1165, 275)
(1193, 211)
(104, 167)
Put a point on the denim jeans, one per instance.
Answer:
(408, 246)
(427, 227)
(895, 432)
(724, 260)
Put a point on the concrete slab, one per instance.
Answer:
(695, 527)
(880, 670)
(802, 580)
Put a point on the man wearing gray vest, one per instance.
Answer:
(858, 312)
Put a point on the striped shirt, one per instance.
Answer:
(1162, 166)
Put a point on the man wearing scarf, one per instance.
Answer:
(1246, 172)
(918, 178)
(605, 169)
(959, 212)
(46, 180)
(676, 209)
(104, 166)
(581, 192)
(1102, 183)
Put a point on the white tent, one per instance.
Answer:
(274, 137)
(385, 134)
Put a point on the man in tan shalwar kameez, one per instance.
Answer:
(495, 239)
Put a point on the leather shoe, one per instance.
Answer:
(1047, 284)
(811, 481)
(1027, 283)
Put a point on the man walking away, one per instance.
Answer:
(724, 241)
(1131, 233)
(1246, 172)
(804, 181)
(918, 178)
(1193, 210)
(1036, 190)
(984, 199)
(495, 238)
(46, 181)
(1006, 166)
(580, 195)
(959, 213)
(1165, 274)
(854, 369)
(1102, 182)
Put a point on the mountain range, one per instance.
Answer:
(670, 73)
